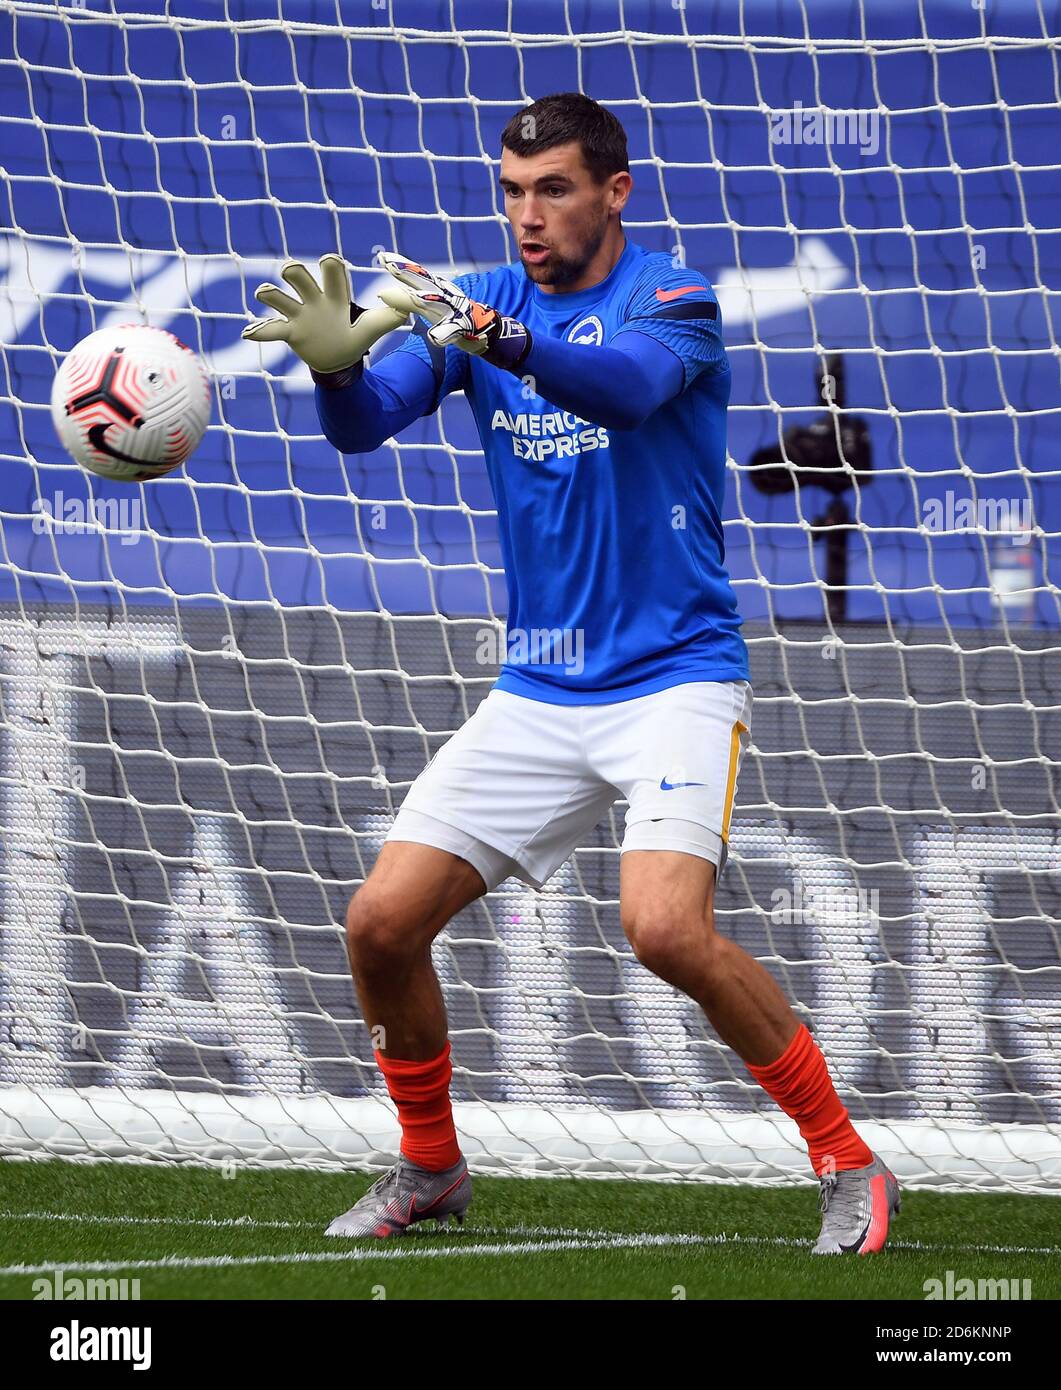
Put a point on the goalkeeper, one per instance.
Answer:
(599, 383)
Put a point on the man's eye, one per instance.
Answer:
(558, 189)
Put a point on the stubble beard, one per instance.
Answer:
(562, 270)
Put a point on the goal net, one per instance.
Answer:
(216, 689)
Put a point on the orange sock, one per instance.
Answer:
(420, 1090)
(799, 1082)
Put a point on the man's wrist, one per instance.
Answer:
(510, 343)
(336, 381)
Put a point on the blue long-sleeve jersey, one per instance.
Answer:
(607, 460)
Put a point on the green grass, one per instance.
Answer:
(131, 1216)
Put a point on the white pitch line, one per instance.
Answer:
(929, 1249)
(795, 1242)
(567, 1241)
(245, 1223)
(251, 1223)
(405, 1252)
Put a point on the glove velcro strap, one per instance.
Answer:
(335, 381)
(509, 342)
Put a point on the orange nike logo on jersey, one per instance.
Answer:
(664, 295)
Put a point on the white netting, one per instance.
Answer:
(216, 689)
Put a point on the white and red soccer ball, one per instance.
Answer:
(131, 403)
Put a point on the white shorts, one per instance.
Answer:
(522, 783)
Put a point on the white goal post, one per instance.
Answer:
(216, 688)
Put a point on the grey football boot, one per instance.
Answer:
(405, 1194)
(857, 1206)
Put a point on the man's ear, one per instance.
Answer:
(622, 185)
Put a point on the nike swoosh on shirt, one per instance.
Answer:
(665, 296)
(666, 786)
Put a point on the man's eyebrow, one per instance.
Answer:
(545, 178)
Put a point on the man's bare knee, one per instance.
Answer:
(675, 946)
(381, 933)
(410, 895)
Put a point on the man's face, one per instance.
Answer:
(559, 216)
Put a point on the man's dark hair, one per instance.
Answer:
(562, 118)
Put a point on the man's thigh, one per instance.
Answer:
(669, 883)
(422, 883)
(511, 790)
(675, 755)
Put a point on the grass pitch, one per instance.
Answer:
(192, 1233)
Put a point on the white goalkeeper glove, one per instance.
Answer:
(456, 320)
(326, 328)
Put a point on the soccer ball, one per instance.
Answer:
(131, 403)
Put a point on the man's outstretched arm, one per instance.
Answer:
(615, 387)
(618, 387)
(359, 410)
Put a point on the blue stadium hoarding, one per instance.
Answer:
(928, 255)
